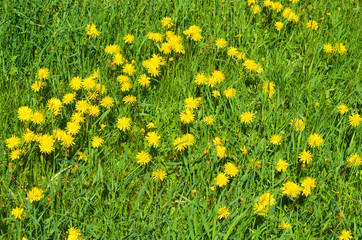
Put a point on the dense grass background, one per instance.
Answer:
(114, 197)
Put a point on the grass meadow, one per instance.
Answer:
(180, 119)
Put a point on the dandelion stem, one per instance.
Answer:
(18, 183)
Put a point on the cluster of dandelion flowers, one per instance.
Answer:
(153, 139)
(124, 123)
(143, 157)
(18, 213)
(223, 213)
(308, 183)
(183, 142)
(291, 189)
(159, 175)
(221, 180)
(35, 194)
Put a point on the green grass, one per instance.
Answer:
(110, 196)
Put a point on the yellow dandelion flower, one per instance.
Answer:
(77, 117)
(76, 83)
(43, 73)
(230, 92)
(159, 175)
(167, 22)
(46, 143)
(97, 142)
(342, 109)
(341, 48)
(12, 142)
(221, 180)
(354, 160)
(37, 86)
(230, 169)
(24, 113)
(89, 83)
(279, 26)
(255, 9)
(285, 225)
(35, 194)
(112, 49)
(247, 117)
(82, 106)
(38, 118)
(209, 120)
(345, 235)
(118, 59)
(107, 102)
(291, 189)
(143, 158)
(130, 99)
(220, 43)
(223, 213)
(305, 157)
(282, 166)
(297, 124)
(315, 140)
(94, 110)
(153, 139)
(187, 116)
(250, 65)
(308, 183)
(28, 135)
(221, 151)
(92, 31)
(129, 69)
(17, 213)
(313, 25)
(129, 38)
(144, 81)
(124, 123)
(354, 120)
(216, 94)
(200, 79)
(328, 48)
